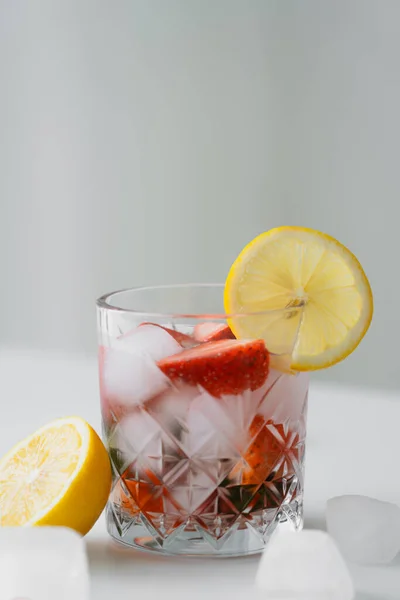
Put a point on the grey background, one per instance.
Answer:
(146, 141)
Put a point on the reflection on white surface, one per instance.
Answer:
(153, 576)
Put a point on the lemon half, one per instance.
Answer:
(318, 298)
(60, 475)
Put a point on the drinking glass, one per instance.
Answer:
(199, 469)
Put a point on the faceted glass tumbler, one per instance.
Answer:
(197, 472)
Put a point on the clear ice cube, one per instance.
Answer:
(43, 563)
(150, 340)
(210, 433)
(305, 565)
(286, 397)
(130, 373)
(366, 530)
(138, 435)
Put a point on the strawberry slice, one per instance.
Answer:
(186, 341)
(225, 367)
(272, 451)
(211, 332)
(143, 495)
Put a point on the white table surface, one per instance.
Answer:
(352, 447)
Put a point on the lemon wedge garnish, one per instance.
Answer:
(60, 475)
(301, 291)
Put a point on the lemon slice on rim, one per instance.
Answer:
(60, 475)
(320, 283)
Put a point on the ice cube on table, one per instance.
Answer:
(130, 374)
(305, 565)
(42, 563)
(366, 530)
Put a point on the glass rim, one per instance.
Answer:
(104, 302)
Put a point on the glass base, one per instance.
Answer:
(248, 535)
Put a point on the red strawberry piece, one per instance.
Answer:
(269, 451)
(143, 495)
(225, 367)
(186, 341)
(211, 332)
